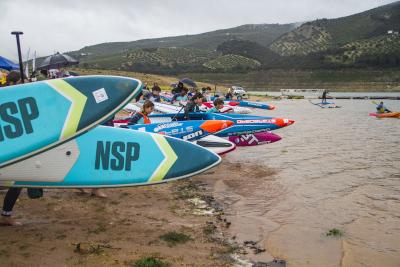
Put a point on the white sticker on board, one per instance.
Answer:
(100, 95)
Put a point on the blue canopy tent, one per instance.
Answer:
(8, 64)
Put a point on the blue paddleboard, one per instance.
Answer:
(250, 104)
(37, 116)
(186, 130)
(110, 157)
(242, 123)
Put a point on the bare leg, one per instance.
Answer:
(98, 193)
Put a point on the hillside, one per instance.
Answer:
(368, 40)
(153, 60)
(319, 35)
(260, 33)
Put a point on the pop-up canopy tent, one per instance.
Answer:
(8, 64)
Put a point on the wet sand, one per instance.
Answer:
(68, 228)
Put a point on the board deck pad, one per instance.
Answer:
(110, 157)
(37, 116)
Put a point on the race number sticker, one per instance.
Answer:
(100, 95)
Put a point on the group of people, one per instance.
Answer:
(194, 101)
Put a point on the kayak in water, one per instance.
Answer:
(325, 104)
(386, 115)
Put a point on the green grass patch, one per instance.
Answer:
(174, 238)
(334, 232)
(209, 229)
(150, 262)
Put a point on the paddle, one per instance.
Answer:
(183, 106)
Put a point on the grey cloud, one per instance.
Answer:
(69, 25)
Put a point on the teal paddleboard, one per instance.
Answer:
(110, 157)
(37, 116)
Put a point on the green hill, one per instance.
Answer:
(154, 60)
(261, 33)
(356, 41)
(232, 63)
(322, 34)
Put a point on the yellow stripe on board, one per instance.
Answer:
(7, 183)
(78, 101)
(169, 160)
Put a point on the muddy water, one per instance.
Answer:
(335, 168)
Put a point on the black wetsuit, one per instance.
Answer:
(324, 97)
(9, 200)
(191, 106)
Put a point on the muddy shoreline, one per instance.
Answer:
(69, 228)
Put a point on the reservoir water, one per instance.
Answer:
(334, 168)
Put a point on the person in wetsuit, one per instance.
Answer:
(193, 105)
(324, 93)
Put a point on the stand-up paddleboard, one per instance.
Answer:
(37, 116)
(325, 104)
(245, 103)
(229, 108)
(386, 115)
(243, 124)
(216, 144)
(255, 139)
(131, 108)
(110, 157)
(166, 96)
(186, 130)
(250, 104)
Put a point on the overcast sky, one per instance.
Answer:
(50, 25)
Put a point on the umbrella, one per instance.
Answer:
(8, 64)
(189, 82)
(57, 61)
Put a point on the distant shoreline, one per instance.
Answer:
(345, 80)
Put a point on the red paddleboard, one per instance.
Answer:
(254, 139)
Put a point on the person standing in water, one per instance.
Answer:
(324, 93)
